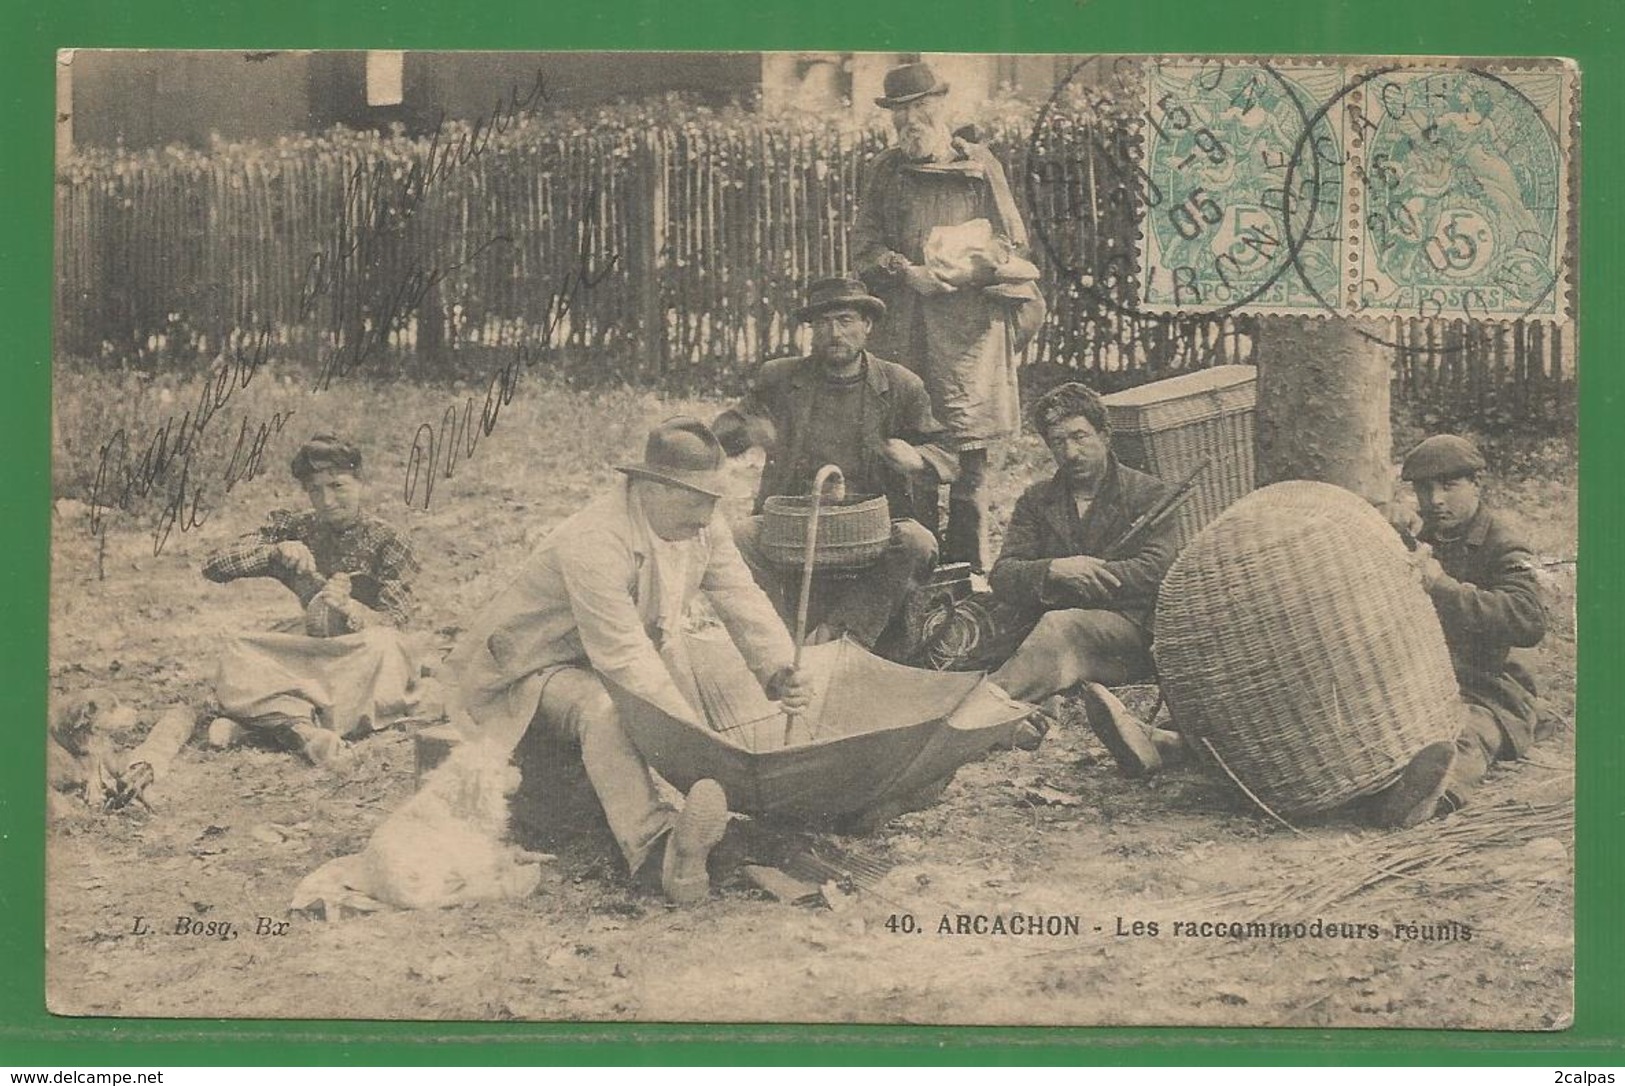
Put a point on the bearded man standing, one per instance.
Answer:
(962, 340)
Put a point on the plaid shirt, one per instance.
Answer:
(378, 559)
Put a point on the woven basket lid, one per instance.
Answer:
(1180, 401)
(1296, 646)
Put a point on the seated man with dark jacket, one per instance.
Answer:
(1062, 572)
(1480, 574)
(871, 418)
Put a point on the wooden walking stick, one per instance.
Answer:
(808, 561)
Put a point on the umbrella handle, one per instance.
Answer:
(809, 557)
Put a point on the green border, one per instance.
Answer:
(1587, 30)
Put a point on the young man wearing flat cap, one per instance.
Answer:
(871, 418)
(1481, 577)
(962, 340)
(583, 635)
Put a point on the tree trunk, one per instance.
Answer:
(1323, 405)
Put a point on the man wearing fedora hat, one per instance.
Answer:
(590, 630)
(961, 338)
(871, 418)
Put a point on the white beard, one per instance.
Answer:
(931, 144)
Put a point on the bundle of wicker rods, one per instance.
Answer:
(1298, 651)
(1484, 848)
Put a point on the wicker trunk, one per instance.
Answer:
(1299, 652)
(1166, 427)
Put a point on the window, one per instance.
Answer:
(384, 77)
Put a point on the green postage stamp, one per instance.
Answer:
(1381, 188)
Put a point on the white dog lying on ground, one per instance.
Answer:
(444, 846)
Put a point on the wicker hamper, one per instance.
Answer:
(1166, 427)
(1297, 649)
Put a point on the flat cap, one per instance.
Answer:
(1440, 457)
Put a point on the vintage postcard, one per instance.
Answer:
(814, 537)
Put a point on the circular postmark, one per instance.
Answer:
(1194, 217)
(1454, 187)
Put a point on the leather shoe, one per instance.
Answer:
(1416, 796)
(700, 826)
(1125, 737)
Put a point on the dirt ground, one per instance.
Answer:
(1054, 833)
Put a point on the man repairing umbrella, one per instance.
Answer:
(1481, 577)
(870, 417)
(590, 630)
(961, 339)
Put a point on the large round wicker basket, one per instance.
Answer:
(852, 532)
(1298, 651)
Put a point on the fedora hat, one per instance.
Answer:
(840, 292)
(909, 83)
(681, 451)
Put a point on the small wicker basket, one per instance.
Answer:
(1298, 651)
(852, 532)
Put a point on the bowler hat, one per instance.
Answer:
(1441, 456)
(682, 451)
(840, 292)
(909, 83)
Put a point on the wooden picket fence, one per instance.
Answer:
(667, 253)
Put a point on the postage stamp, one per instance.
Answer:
(1466, 194)
(1244, 187)
(1414, 189)
(779, 538)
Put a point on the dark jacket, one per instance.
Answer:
(1489, 602)
(1045, 526)
(785, 394)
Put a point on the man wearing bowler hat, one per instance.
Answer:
(871, 418)
(961, 338)
(590, 630)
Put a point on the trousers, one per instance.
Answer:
(965, 539)
(573, 705)
(1074, 645)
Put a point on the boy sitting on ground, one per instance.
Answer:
(343, 669)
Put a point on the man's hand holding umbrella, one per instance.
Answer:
(792, 688)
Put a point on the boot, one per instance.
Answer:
(319, 746)
(1468, 769)
(224, 733)
(1171, 747)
